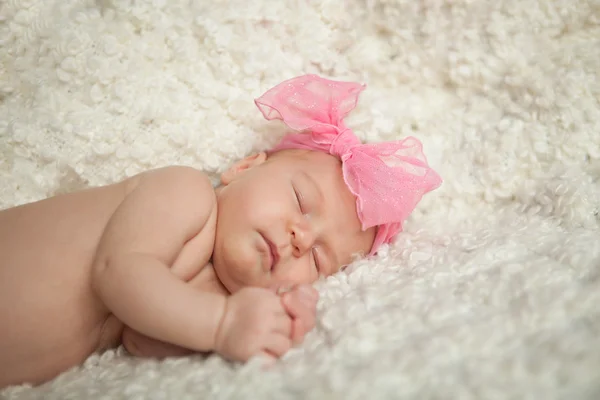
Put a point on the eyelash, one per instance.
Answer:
(315, 259)
(313, 252)
(299, 199)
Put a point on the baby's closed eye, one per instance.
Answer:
(315, 258)
(299, 199)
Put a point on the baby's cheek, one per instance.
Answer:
(308, 276)
(295, 274)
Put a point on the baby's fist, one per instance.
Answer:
(301, 305)
(254, 322)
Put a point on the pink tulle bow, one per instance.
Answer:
(387, 178)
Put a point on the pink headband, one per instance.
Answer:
(387, 178)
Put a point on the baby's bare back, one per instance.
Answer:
(50, 319)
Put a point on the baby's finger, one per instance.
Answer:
(283, 324)
(298, 331)
(267, 359)
(298, 306)
(303, 317)
(301, 326)
(281, 287)
(277, 345)
(307, 294)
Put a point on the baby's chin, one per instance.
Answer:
(223, 277)
(231, 275)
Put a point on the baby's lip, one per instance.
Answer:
(273, 253)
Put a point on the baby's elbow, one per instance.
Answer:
(139, 345)
(103, 269)
(129, 341)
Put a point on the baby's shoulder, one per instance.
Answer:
(183, 187)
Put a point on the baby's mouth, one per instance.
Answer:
(273, 253)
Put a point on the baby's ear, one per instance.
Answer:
(251, 161)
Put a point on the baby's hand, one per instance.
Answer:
(301, 304)
(255, 322)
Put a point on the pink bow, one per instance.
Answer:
(388, 178)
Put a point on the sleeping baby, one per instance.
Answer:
(166, 265)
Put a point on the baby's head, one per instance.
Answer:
(286, 216)
(319, 198)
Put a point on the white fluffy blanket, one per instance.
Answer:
(493, 290)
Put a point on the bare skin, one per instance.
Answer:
(129, 263)
(51, 318)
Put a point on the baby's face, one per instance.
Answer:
(287, 218)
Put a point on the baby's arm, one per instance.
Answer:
(300, 303)
(141, 345)
(167, 209)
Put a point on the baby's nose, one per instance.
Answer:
(303, 238)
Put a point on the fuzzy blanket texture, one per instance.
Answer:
(492, 291)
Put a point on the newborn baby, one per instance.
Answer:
(166, 265)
